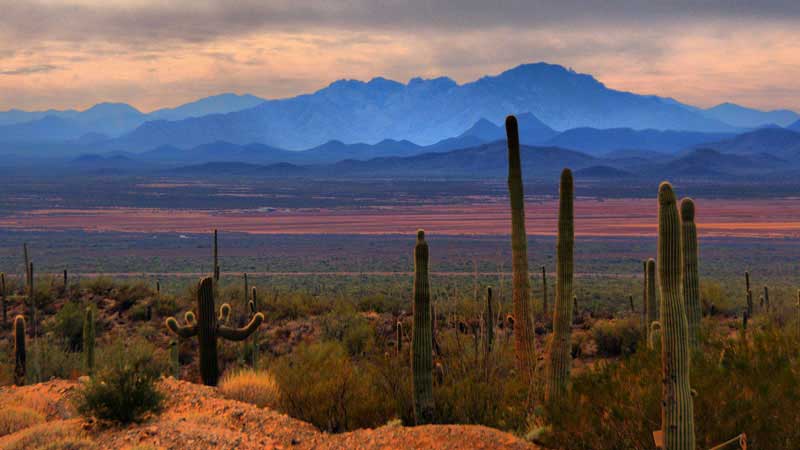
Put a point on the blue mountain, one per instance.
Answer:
(111, 119)
(425, 111)
(744, 117)
(532, 131)
(595, 142)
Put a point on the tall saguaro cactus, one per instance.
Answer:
(677, 413)
(19, 350)
(691, 278)
(560, 351)
(216, 258)
(88, 340)
(254, 307)
(523, 332)
(488, 323)
(3, 297)
(208, 330)
(422, 339)
(652, 302)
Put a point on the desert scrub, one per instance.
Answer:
(124, 389)
(99, 285)
(345, 325)
(320, 384)
(51, 436)
(15, 418)
(617, 337)
(251, 386)
(67, 325)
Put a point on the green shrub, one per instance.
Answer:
(345, 325)
(321, 385)
(48, 358)
(99, 285)
(67, 324)
(617, 337)
(123, 391)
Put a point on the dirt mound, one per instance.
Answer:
(198, 417)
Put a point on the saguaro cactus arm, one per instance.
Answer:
(184, 331)
(240, 334)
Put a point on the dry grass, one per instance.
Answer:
(50, 436)
(15, 418)
(251, 386)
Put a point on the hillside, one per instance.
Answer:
(198, 417)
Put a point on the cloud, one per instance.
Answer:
(148, 22)
(43, 68)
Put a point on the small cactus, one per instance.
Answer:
(545, 308)
(19, 351)
(652, 302)
(677, 416)
(3, 297)
(216, 257)
(523, 337)
(174, 356)
(560, 360)
(691, 283)
(208, 330)
(88, 340)
(422, 341)
(749, 300)
(398, 337)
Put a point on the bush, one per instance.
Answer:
(344, 325)
(319, 384)
(15, 418)
(67, 324)
(740, 388)
(250, 386)
(48, 359)
(99, 286)
(617, 337)
(124, 389)
(50, 436)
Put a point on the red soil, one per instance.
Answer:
(777, 218)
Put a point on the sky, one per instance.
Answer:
(160, 53)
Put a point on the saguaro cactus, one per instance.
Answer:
(560, 350)
(677, 413)
(422, 340)
(216, 257)
(691, 283)
(645, 323)
(523, 336)
(88, 340)
(19, 350)
(254, 306)
(654, 338)
(488, 322)
(174, 356)
(766, 298)
(208, 330)
(3, 297)
(32, 299)
(652, 303)
(545, 308)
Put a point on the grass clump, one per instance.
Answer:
(51, 436)
(15, 418)
(251, 386)
(617, 337)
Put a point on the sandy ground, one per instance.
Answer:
(197, 417)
